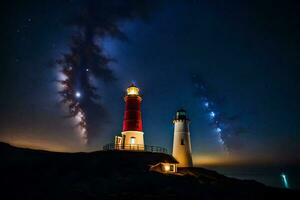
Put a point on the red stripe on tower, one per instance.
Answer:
(132, 115)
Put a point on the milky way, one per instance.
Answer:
(224, 127)
(86, 59)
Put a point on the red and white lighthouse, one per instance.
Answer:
(132, 132)
(132, 115)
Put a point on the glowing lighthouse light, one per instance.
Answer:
(133, 90)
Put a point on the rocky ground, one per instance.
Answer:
(32, 174)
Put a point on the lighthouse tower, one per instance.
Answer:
(132, 132)
(182, 149)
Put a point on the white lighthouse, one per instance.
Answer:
(182, 150)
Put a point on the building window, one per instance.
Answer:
(132, 140)
(172, 168)
(182, 141)
(166, 167)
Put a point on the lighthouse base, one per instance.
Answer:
(133, 140)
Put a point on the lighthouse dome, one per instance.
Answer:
(133, 90)
(181, 114)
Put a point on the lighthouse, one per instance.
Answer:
(132, 132)
(182, 149)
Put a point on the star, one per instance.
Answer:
(78, 94)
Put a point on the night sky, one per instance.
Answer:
(244, 55)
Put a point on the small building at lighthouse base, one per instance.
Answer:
(130, 140)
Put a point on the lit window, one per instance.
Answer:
(167, 167)
(132, 140)
(172, 168)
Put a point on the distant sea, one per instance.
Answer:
(268, 175)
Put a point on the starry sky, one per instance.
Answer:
(244, 54)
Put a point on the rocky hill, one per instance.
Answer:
(32, 174)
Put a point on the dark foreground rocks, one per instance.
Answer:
(32, 174)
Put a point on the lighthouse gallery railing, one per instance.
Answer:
(134, 147)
